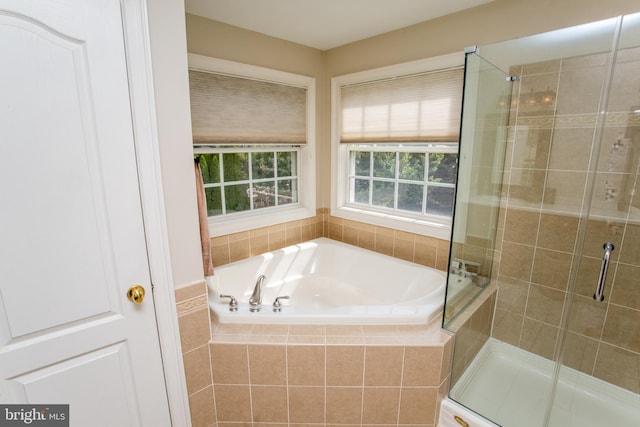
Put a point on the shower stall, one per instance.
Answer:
(543, 289)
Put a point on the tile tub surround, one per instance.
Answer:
(195, 335)
(422, 250)
(329, 375)
(414, 397)
(472, 330)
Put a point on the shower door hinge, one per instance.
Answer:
(512, 78)
(471, 49)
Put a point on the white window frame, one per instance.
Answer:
(396, 180)
(433, 226)
(306, 206)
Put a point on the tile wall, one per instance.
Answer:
(422, 250)
(472, 329)
(547, 165)
(195, 335)
(301, 375)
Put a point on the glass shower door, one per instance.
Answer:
(598, 375)
(553, 355)
(475, 237)
(486, 103)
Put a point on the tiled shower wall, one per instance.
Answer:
(547, 165)
(472, 329)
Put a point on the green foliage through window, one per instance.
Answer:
(238, 181)
(420, 182)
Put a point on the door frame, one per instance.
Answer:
(145, 127)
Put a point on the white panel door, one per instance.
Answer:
(71, 232)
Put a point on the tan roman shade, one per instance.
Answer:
(415, 108)
(235, 110)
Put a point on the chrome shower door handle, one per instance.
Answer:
(608, 248)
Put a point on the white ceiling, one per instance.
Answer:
(325, 24)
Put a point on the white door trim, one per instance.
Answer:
(151, 192)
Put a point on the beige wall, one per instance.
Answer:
(496, 21)
(171, 90)
(219, 40)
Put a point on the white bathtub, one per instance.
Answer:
(329, 282)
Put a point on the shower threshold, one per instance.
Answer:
(512, 387)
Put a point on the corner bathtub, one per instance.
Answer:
(329, 282)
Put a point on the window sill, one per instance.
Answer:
(410, 225)
(257, 219)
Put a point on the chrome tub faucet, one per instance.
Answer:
(255, 301)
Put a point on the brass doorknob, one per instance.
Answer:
(136, 294)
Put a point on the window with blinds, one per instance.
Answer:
(254, 133)
(236, 110)
(415, 108)
(395, 140)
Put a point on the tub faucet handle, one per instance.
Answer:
(233, 302)
(277, 305)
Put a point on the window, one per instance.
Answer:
(411, 181)
(395, 143)
(253, 131)
(240, 180)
